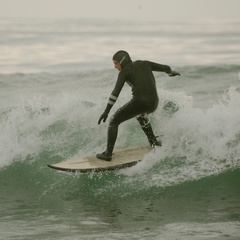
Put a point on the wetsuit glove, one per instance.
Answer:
(103, 117)
(174, 73)
(105, 113)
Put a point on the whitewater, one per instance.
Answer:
(56, 77)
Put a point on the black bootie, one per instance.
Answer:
(106, 156)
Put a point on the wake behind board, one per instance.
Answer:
(122, 158)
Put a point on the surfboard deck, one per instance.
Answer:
(122, 158)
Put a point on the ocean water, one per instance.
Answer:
(56, 77)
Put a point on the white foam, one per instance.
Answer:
(196, 143)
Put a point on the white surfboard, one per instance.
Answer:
(122, 158)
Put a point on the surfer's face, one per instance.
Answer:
(117, 65)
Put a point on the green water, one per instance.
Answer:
(186, 190)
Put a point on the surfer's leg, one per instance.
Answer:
(123, 114)
(147, 128)
(126, 112)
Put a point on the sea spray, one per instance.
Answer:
(197, 143)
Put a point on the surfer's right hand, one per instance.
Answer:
(174, 73)
(103, 117)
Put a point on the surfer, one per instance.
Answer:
(144, 100)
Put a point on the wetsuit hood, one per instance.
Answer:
(122, 57)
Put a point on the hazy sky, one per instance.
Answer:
(122, 9)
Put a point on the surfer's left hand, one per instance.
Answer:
(103, 117)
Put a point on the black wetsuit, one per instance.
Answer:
(139, 76)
